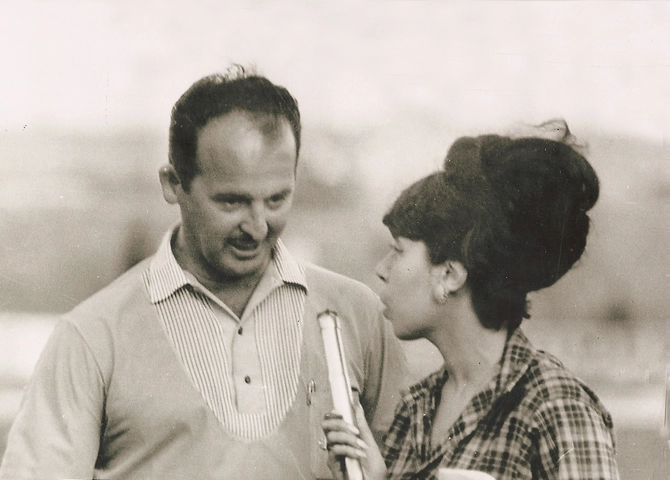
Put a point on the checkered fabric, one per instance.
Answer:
(534, 420)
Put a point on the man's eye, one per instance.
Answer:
(230, 203)
(276, 202)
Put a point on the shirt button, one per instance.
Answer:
(239, 331)
(247, 379)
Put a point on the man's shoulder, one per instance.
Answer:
(328, 281)
(107, 302)
(328, 290)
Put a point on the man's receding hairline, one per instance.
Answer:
(257, 118)
(276, 127)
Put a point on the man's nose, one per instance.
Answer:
(255, 224)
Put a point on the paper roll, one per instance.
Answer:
(338, 378)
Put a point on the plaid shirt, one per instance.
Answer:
(534, 420)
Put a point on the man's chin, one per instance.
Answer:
(243, 268)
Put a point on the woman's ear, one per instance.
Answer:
(170, 183)
(456, 275)
(448, 277)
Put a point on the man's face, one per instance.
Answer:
(238, 202)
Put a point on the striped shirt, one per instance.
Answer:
(534, 420)
(246, 369)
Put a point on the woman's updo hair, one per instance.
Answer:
(511, 210)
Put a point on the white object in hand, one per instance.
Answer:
(339, 380)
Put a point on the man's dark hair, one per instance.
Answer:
(238, 89)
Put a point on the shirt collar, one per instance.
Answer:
(289, 269)
(167, 276)
(515, 362)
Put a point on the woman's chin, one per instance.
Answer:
(408, 336)
(405, 335)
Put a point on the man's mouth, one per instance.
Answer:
(244, 245)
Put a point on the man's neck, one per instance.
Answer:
(235, 294)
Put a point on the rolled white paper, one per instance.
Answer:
(338, 378)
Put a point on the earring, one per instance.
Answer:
(440, 295)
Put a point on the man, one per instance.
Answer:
(206, 360)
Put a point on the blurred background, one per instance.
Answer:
(384, 87)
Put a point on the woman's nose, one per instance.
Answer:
(381, 270)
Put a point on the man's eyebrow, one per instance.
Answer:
(282, 193)
(231, 196)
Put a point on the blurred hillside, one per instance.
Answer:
(78, 208)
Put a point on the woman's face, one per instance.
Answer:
(407, 292)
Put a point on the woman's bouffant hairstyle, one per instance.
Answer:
(512, 211)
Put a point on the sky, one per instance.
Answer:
(120, 63)
(400, 79)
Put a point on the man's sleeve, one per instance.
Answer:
(56, 433)
(386, 376)
(575, 442)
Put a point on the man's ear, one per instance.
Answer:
(170, 183)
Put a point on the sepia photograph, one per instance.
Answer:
(369, 239)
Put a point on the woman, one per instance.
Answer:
(504, 218)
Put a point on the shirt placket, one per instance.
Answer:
(249, 390)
